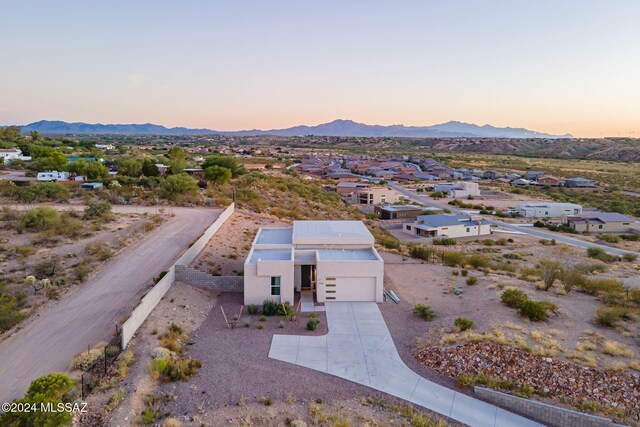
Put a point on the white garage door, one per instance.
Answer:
(351, 289)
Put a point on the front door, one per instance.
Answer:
(308, 278)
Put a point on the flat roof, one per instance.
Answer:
(270, 255)
(347, 254)
(545, 205)
(448, 220)
(274, 236)
(312, 232)
(399, 208)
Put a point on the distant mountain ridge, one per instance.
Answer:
(345, 128)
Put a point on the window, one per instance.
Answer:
(600, 226)
(468, 230)
(275, 285)
(408, 227)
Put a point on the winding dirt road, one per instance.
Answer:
(88, 314)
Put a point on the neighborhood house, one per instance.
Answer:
(548, 210)
(448, 226)
(334, 260)
(602, 222)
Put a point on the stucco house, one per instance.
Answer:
(602, 222)
(548, 210)
(578, 183)
(448, 226)
(12, 154)
(334, 260)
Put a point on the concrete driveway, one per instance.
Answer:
(359, 348)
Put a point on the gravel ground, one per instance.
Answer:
(236, 368)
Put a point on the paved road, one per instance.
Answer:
(536, 232)
(89, 314)
(360, 348)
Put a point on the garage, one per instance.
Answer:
(350, 288)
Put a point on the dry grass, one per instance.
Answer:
(587, 359)
(614, 348)
(86, 359)
(615, 366)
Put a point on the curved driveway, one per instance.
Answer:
(47, 342)
(359, 348)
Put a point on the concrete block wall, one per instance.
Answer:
(208, 281)
(153, 297)
(550, 415)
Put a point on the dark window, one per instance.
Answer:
(275, 285)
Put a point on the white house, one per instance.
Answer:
(335, 260)
(464, 190)
(448, 226)
(52, 176)
(12, 154)
(548, 210)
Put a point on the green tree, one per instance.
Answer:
(35, 135)
(218, 174)
(11, 133)
(50, 389)
(52, 160)
(40, 192)
(177, 159)
(178, 185)
(224, 161)
(92, 170)
(41, 218)
(149, 168)
(130, 167)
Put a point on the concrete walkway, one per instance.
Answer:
(359, 348)
(307, 303)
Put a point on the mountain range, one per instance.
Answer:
(345, 128)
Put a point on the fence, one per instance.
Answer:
(208, 281)
(153, 297)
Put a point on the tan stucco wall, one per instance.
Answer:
(257, 281)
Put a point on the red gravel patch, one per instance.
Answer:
(552, 377)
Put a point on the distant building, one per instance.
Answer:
(578, 183)
(521, 181)
(534, 175)
(548, 210)
(12, 154)
(464, 190)
(346, 188)
(89, 186)
(374, 195)
(549, 180)
(448, 226)
(601, 222)
(398, 211)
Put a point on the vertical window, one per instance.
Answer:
(468, 230)
(275, 285)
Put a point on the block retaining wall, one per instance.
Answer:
(207, 281)
(550, 415)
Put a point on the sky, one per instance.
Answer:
(570, 66)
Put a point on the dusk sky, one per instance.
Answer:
(548, 65)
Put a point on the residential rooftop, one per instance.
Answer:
(448, 220)
(312, 232)
(602, 216)
(274, 236)
(347, 254)
(270, 255)
(401, 208)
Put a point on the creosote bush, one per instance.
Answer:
(472, 280)
(513, 298)
(535, 311)
(424, 312)
(463, 324)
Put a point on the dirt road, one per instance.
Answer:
(89, 314)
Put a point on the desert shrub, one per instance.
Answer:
(463, 324)
(181, 369)
(97, 209)
(455, 272)
(253, 309)
(477, 261)
(545, 242)
(452, 258)
(444, 241)
(270, 307)
(313, 315)
(40, 219)
(422, 252)
(246, 323)
(512, 255)
(549, 271)
(571, 278)
(464, 272)
(81, 271)
(424, 312)
(263, 318)
(473, 280)
(85, 360)
(605, 289)
(260, 326)
(99, 249)
(488, 242)
(10, 306)
(533, 310)
(312, 324)
(41, 192)
(284, 309)
(609, 316)
(629, 257)
(513, 298)
(125, 360)
(599, 253)
(172, 338)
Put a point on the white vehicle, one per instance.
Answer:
(52, 176)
